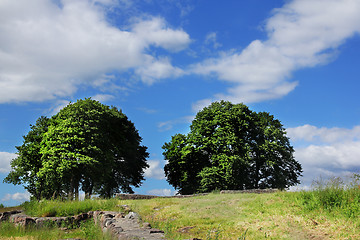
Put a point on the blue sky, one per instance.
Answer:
(162, 61)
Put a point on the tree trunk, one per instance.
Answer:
(76, 191)
(71, 189)
(88, 193)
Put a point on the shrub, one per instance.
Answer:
(334, 194)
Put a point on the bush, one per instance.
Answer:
(334, 195)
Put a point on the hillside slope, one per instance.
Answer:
(282, 215)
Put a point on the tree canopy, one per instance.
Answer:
(87, 146)
(230, 147)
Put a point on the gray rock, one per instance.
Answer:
(133, 215)
(120, 226)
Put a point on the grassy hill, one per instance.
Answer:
(283, 215)
(328, 212)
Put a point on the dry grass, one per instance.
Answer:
(7, 209)
(242, 216)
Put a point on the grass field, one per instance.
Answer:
(283, 215)
(329, 211)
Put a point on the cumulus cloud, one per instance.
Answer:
(303, 33)
(327, 152)
(154, 69)
(155, 170)
(20, 197)
(5, 159)
(47, 50)
(155, 32)
(312, 133)
(338, 159)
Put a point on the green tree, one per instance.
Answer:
(28, 162)
(231, 147)
(88, 146)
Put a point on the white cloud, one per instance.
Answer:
(328, 135)
(168, 125)
(154, 69)
(148, 110)
(326, 152)
(155, 32)
(155, 170)
(162, 192)
(103, 97)
(5, 159)
(339, 156)
(338, 159)
(21, 197)
(58, 105)
(303, 33)
(211, 39)
(47, 51)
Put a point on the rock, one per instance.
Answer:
(120, 226)
(156, 231)
(126, 208)
(267, 190)
(119, 215)
(108, 222)
(115, 228)
(43, 221)
(81, 217)
(60, 221)
(5, 215)
(185, 229)
(146, 225)
(97, 215)
(22, 220)
(133, 215)
(71, 239)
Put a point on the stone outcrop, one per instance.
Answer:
(119, 225)
(6, 215)
(267, 190)
(124, 196)
(128, 227)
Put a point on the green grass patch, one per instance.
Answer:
(52, 208)
(216, 216)
(282, 215)
(87, 230)
(8, 209)
(333, 196)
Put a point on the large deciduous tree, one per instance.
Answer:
(28, 162)
(87, 146)
(231, 147)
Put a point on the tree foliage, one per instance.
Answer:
(28, 163)
(231, 147)
(87, 146)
